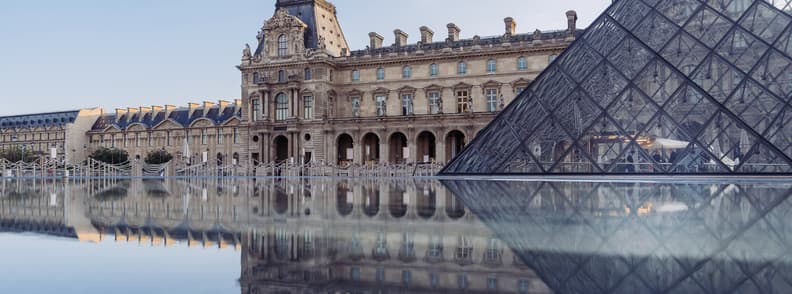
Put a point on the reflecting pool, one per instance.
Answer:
(324, 235)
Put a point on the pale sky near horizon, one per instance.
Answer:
(66, 55)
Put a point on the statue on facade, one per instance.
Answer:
(440, 105)
(470, 105)
(502, 102)
(356, 108)
(246, 52)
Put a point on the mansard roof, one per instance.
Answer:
(180, 116)
(654, 87)
(39, 119)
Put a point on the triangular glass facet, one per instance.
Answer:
(654, 86)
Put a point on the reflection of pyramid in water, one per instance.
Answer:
(654, 86)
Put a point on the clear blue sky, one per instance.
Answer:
(63, 55)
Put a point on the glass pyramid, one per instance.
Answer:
(654, 87)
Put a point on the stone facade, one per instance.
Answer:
(213, 129)
(308, 98)
(40, 133)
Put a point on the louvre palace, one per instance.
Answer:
(654, 87)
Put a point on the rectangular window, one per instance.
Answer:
(256, 109)
(355, 75)
(281, 107)
(492, 99)
(434, 102)
(150, 139)
(492, 283)
(406, 277)
(434, 70)
(126, 143)
(356, 106)
(381, 111)
(380, 274)
(203, 137)
(168, 139)
(407, 104)
(354, 274)
(219, 136)
(137, 140)
(462, 101)
(308, 107)
(236, 135)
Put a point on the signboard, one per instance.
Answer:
(350, 153)
(426, 158)
(205, 157)
(54, 153)
(406, 152)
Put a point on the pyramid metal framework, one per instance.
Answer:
(654, 87)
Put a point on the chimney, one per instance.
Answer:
(511, 26)
(453, 32)
(144, 110)
(206, 106)
(156, 109)
(131, 112)
(192, 107)
(238, 102)
(119, 112)
(223, 104)
(169, 109)
(571, 22)
(376, 40)
(401, 37)
(426, 35)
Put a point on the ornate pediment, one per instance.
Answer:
(282, 19)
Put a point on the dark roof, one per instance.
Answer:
(180, 116)
(39, 119)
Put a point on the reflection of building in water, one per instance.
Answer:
(309, 235)
(406, 237)
(639, 238)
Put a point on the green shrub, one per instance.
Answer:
(110, 155)
(158, 157)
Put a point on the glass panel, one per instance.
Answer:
(604, 84)
(733, 9)
(663, 140)
(605, 142)
(765, 22)
(780, 134)
(726, 140)
(741, 49)
(501, 143)
(763, 159)
(548, 143)
(629, 13)
(553, 87)
(717, 77)
(632, 111)
(655, 31)
(658, 81)
(604, 35)
(580, 113)
(579, 60)
(630, 57)
(775, 72)
(520, 161)
(754, 106)
(685, 53)
(708, 26)
(576, 160)
(525, 115)
(678, 11)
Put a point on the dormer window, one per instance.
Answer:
(283, 45)
(281, 76)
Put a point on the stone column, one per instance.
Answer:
(265, 104)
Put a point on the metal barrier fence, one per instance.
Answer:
(92, 168)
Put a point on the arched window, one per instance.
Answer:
(283, 45)
(308, 75)
(380, 74)
(522, 63)
(406, 72)
(462, 68)
(434, 70)
(281, 107)
(355, 75)
(492, 66)
(281, 76)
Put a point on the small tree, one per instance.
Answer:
(158, 157)
(110, 155)
(17, 154)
